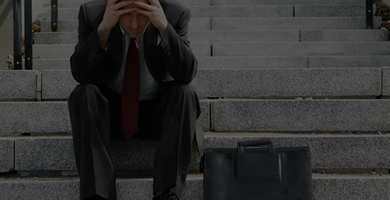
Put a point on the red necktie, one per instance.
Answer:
(130, 95)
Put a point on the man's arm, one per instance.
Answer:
(88, 62)
(174, 47)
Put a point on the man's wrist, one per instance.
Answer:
(103, 34)
(162, 31)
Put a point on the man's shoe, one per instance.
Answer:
(167, 195)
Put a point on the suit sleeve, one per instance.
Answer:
(177, 54)
(88, 60)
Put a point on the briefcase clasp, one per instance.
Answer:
(241, 145)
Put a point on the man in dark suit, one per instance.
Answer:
(133, 57)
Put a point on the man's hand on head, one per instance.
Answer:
(113, 12)
(155, 13)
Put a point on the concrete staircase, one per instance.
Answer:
(300, 72)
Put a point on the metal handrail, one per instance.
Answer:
(54, 15)
(369, 14)
(17, 35)
(17, 26)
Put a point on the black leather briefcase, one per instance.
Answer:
(257, 173)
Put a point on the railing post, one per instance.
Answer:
(28, 34)
(54, 15)
(369, 14)
(17, 35)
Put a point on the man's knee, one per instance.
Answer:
(83, 90)
(82, 95)
(183, 90)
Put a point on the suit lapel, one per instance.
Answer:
(115, 46)
(149, 39)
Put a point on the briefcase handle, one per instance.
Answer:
(241, 145)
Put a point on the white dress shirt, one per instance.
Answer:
(148, 86)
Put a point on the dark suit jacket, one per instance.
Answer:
(171, 60)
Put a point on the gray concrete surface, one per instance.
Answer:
(209, 11)
(45, 64)
(386, 81)
(202, 23)
(244, 83)
(27, 117)
(284, 2)
(77, 3)
(258, 62)
(353, 61)
(242, 11)
(299, 48)
(253, 62)
(51, 117)
(7, 154)
(57, 84)
(47, 51)
(302, 115)
(18, 85)
(324, 188)
(335, 10)
(344, 35)
(239, 23)
(63, 26)
(346, 151)
(201, 36)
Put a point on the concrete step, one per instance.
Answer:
(287, 35)
(71, 25)
(229, 115)
(250, 23)
(285, 2)
(207, 36)
(285, 83)
(47, 51)
(301, 115)
(243, 11)
(254, 11)
(53, 116)
(263, 83)
(336, 10)
(328, 151)
(213, 11)
(233, 83)
(344, 35)
(256, 62)
(325, 187)
(18, 84)
(63, 26)
(299, 48)
(202, 49)
(77, 3)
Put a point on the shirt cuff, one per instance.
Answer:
(158, 38)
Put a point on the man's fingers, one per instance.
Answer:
(121, 5)
(112, 2)
(124, 11)
(144, 12)
(153, 2)
(143, 5)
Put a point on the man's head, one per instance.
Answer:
(134, 23)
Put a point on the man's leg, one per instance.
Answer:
(90, 119)
(179, 108)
